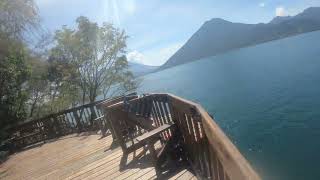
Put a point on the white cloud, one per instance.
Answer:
(262, 4)
(281, 11)
(136, 56)
(154, 56)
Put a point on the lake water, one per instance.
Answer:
(266, 98)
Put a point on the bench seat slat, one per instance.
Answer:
(154, 132)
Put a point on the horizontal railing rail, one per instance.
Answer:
(209, 151)
(74, 120)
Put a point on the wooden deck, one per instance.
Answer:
(82, 156)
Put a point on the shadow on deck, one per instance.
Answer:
(85, 157)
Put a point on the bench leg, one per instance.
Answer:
(154, 157)
(152, 152)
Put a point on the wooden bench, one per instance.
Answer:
(147, 139)
(151, 137)
(154, 132)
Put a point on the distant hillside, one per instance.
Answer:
(141, 69)
(218, 35)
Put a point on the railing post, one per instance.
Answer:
(102, 127)
(57, 127)
(93, 116)
(79, 125)
(49, 126)
(57, 124)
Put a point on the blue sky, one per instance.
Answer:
(158, 28)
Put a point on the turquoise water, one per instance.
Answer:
(266, 98)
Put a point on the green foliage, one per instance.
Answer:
(37, 86)
(82, 64)
(17, 17)
(13, 94)
(94, 55)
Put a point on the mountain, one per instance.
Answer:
(218, 36)
(279, 19)
(141, 69)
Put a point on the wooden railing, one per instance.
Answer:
(209, 151)
(87, 117)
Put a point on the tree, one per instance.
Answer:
(121, 80)
(97, 54)
(17, 18)
(37, 84)
(13, 94)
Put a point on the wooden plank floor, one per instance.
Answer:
(81, 156)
